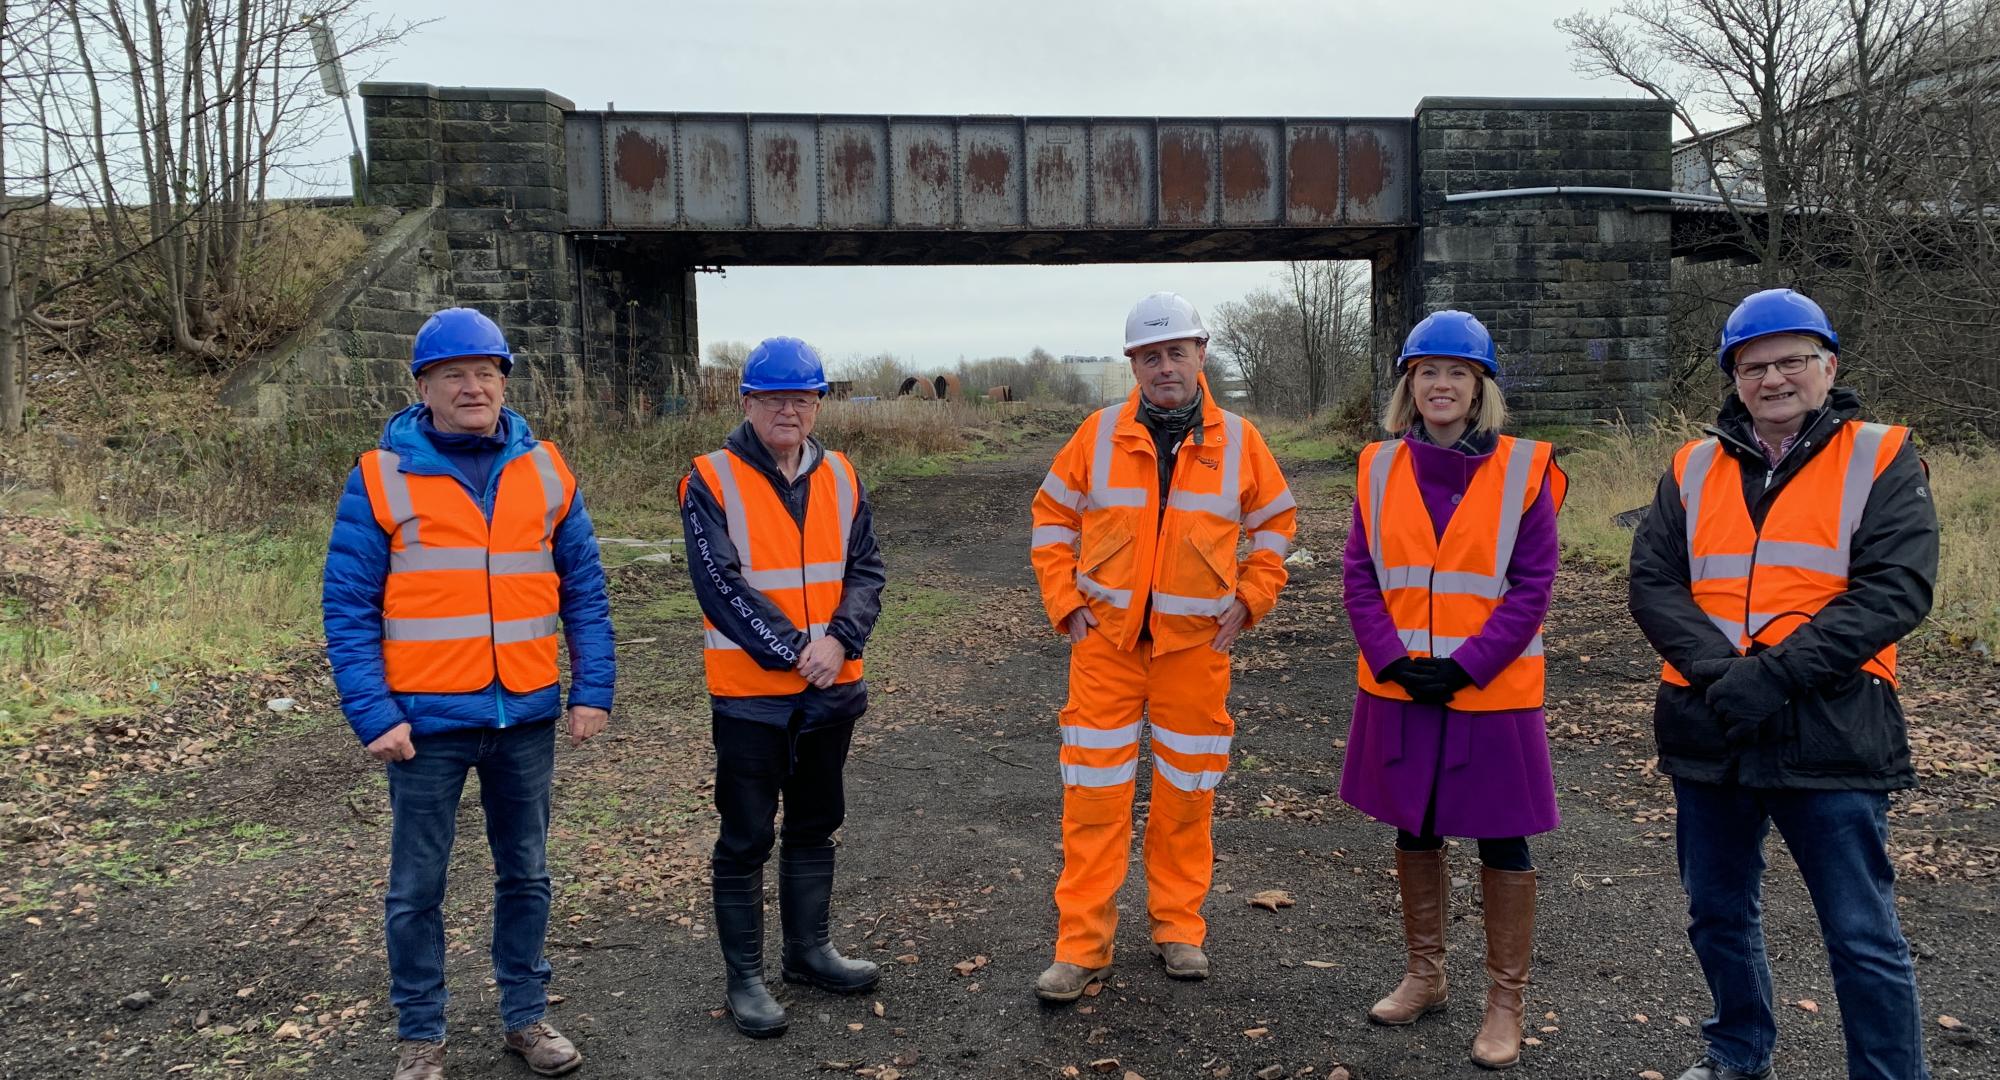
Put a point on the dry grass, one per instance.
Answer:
(1611, 470)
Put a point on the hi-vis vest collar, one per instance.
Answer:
(1758, 585)
(802, 571)
(468, 599)
(1440, 591)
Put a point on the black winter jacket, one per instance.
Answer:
(1841, 727)
(717, 571)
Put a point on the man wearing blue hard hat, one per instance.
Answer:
(781, 548)
(1785, 555)
(461, 557)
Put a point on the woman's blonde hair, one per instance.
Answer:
(1488, 415)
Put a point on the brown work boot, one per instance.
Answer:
(419, 1060)
(1509, 896)
(544, 1049)
(1425, 883)
(1184, 961)
(1066, 982)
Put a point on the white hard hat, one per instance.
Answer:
(1163, 316)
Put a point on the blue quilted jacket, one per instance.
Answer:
(357, 565)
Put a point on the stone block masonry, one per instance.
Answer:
(1574, 287)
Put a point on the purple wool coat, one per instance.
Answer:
(1490, 769)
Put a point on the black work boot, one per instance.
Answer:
(739, 925)
(805, 900)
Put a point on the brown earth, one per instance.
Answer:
(228, 860)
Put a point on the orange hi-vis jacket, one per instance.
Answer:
(1102, 539)
(468, 601)
(801, 571)
(1440, 590)
(1758, 585)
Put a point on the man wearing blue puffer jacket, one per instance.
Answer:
(460, 550)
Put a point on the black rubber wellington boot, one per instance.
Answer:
(739, 925)
(805, 900)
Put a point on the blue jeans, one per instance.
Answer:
(516, 766)
(1840, 841)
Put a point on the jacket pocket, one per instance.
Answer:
(1210, 560)
(1107, 555)
(1685, 727)
(1852, 727)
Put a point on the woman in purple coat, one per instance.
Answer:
(1448, 569)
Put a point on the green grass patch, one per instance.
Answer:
(910, 608)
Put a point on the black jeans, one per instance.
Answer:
(754, 765)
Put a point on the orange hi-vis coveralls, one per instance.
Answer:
(1157, 578)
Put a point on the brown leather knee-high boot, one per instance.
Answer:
(1426, 887)
(1509, 896)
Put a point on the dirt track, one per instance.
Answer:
(244, 883)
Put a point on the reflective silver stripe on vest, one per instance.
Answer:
(444, 628)
(1101, 493)
(1088, 586)
(1694, 478)
(1404, 577)
(1100, 738)
(1204, 780)
(1803, 556)
(1470, 583)
(1060, 492)
(1443, 646)
(843, 503)
(1228, 504)
(1415, 640)
(1174, 604)
(738, 519)
(1053, 534)
(552, 489)
(1110, 776)
(412, 559)
(812, 574)
(1855, 486)
(1378, 485)
(1270, 540)
(396, 492)
(1717, 567)
(716, 639)
(515, 631)
(1190, 744)
(1730, 628)
(1256, 518)
(1513, 496)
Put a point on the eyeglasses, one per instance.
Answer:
(780, 404)
(1786, 365)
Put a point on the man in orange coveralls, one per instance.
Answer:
(1135, 546)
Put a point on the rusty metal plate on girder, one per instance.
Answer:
(1058, 189)
(1376, 177)
(855, 191)
(583, 150)
(1121, 173)
(991, 186)
(1312, 174)
(1187, 174)
(784, 172)
(923, 173)
(715, 182)
(1251, 154)
(640, 188)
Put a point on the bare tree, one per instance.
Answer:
(1260, 336)
(728, 354)
(1332, 303)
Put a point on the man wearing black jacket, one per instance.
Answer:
(781, 548)
(1783, 558)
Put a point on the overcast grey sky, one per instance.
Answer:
(1069, 57)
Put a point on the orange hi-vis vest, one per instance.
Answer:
(803, 572)
(1441, 590)
(1101, 537)
(1758, 585)
(468, 601)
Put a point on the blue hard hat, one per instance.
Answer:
(1773, 311)
(783, 363)
(1455, 334)
(456, 333)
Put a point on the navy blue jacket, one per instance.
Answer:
(357, 567)
(717, 572)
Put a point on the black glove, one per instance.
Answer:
(1433, 682)
(1402, 672)
(1746, 692)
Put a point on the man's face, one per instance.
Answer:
(464, 395)
(781, 418)
(1166, 370)
(1778, 399)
